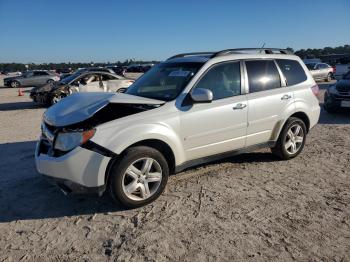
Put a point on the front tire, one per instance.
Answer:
(139, 177)
(291, 140)
(15, 84)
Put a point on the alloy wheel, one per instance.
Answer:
(14, 84)
(142, 179)
(294, 139)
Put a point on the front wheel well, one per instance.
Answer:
(159, 145)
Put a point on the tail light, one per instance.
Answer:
(334, 69)
(316, 90)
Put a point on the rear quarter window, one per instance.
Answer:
(292, 70)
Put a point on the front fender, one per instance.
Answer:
(121, 139)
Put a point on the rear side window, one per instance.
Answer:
(292, 70)
(262, 75)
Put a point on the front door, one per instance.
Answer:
(220, 126)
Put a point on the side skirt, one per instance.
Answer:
(208, 159)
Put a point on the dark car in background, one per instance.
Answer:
(32, 78)
(139, 68)
(337, 96)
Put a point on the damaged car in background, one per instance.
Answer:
(91, 81)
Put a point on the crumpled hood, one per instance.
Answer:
(81, 106)
(46, 88)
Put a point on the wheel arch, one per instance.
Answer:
(279, 126)
(157, 144)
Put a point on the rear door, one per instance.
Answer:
(41, 77)
(317, 71)
(268, 97)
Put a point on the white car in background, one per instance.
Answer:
(321, 71)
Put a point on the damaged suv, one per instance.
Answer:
(189, 110)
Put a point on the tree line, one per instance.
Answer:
(302, 53)
(13, 67)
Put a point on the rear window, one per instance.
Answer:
(292, 70)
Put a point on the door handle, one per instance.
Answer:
(286, 97)
(239, 106)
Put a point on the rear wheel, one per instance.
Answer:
(15, 84)
(50, 81)
(329, 77)
(291, 140)
(139, 177)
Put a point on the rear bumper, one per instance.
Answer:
(314, 115)
(81, 170)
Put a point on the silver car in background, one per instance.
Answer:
(321, 71)
(31, 78)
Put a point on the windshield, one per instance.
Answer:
(164, 81)
(70, 78)
(311, 66)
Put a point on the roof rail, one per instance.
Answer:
(259, 50)
(235, 51)
(192, 54)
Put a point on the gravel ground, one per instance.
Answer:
(251, 207)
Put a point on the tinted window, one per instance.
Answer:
(292, 70)
(262, 75)
(311, 66)
(40, 73)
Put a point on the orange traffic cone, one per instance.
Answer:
(20, 92)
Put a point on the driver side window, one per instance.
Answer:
(223, 80)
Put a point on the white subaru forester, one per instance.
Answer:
(191, 109)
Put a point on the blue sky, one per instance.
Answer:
(105, 30)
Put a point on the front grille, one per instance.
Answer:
(343, 89)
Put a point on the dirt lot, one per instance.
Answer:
(250, 207)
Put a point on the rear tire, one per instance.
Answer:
(15, 84)
(138, 177)
(49, 81)
(329, 77)
(291, 140)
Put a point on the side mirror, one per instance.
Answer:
(201, 95)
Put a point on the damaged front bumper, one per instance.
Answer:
(40, 98)
(78, 171)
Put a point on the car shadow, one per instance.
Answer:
(25, 194)
(19, 106)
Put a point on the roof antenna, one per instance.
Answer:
(262, 47)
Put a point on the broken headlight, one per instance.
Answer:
(66, 141)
